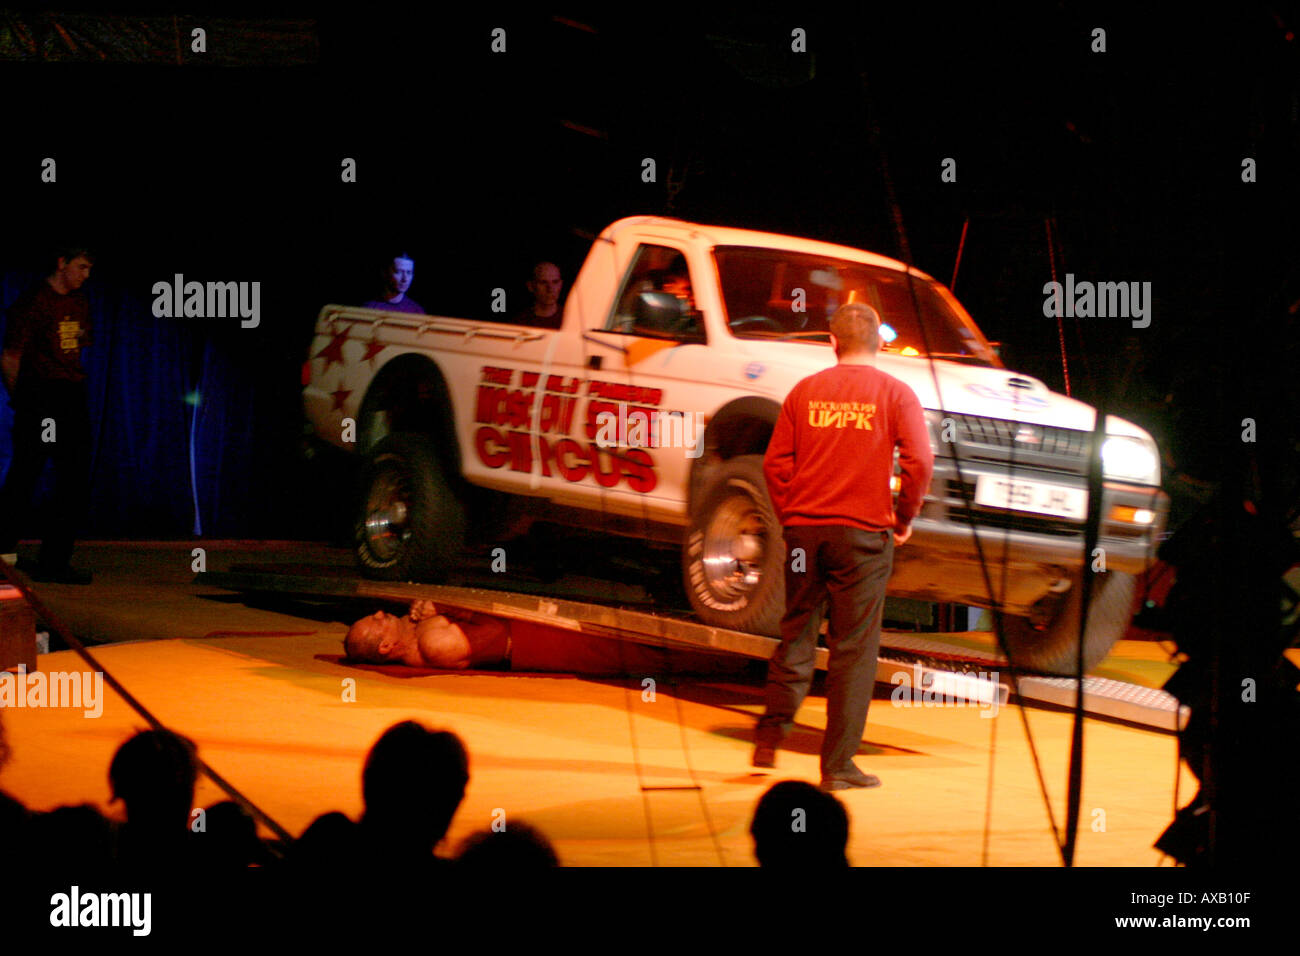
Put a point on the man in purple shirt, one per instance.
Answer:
(396, 274)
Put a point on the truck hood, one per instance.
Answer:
(965, 389)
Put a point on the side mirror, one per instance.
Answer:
(658, 311)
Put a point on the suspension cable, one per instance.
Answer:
(995, 605)
(57, 627)
(1060, 306)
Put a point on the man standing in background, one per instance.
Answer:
(545, 286)
(47, 328)
(396, 274)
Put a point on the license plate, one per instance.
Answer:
(1039, 497)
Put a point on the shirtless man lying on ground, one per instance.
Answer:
(453, 639)
(427, 637)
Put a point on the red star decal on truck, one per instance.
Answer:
(334, 351)
(340, 396)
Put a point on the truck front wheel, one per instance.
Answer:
(1051, 646)
(411, 525)
(733, 558)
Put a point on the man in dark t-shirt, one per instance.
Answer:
(546, 311)
(47, 327)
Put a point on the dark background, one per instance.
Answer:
(481, 163)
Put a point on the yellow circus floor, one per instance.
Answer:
(582, 758)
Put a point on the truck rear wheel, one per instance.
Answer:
(411, 524)
(1052, 648)
(733, 558)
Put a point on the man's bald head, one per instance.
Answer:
(361, 642)
(375, 638)
(856, 328)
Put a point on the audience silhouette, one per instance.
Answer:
(797, 825)
(519, 846)
(154, 774)
(413, 782)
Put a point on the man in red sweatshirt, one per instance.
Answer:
(828, 469)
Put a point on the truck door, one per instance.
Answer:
(651, 384)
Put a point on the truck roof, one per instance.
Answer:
(731, 236)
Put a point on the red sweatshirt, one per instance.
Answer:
(831, 456)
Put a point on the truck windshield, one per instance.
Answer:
(778, 295)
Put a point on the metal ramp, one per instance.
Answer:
(923, 663)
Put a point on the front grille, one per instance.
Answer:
(1041, 447)
(955, 490)
(1001, 433)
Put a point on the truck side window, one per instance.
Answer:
(660, 270)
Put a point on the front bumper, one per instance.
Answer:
(1024, 553)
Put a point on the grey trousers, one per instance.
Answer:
(845, 572)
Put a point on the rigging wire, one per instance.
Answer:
(629, 691)
(636, 762)
(961, 244)
(1060, 305)
(995, 605)
(1090, 532)
(75, 644)
(656, 433)
(615, 455)
(988, 791)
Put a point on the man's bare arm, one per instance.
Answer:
(443, 644)
(10, 359)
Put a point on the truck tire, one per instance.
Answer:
(1052, 649)
(410, 525)
(733, 556)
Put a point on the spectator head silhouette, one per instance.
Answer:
(413, 781)
(797, 825)
(518, 847)
(228, 840)
(154, 774)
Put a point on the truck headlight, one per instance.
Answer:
(1130, 459)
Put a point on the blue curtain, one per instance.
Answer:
(182, 411)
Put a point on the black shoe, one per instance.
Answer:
(848, 779)
(29, 568)
(764, 756)
(64, 575)
(70, 575)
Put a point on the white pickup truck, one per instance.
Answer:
(647, 412)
